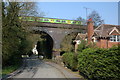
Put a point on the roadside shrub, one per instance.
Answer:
(100, 64)
(82, 46)
(70, 60)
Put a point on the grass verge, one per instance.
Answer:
(9, 69)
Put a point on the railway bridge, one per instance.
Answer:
(57, 31)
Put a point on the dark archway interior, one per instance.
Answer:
(45, 45)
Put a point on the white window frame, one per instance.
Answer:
(115, 38)
(118, 38)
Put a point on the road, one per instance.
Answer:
(35, 68)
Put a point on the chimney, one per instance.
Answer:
(90, 30)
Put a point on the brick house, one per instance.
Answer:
(107, 36)
(104, 36)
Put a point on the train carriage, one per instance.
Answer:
(51, 20)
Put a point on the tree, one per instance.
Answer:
(30, 9)
(14, 37)
(82, 19)
(11, 33)
(96, 18)
(67, 43)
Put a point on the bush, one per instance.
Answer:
(100, 64)
(70, 60)
(82, 46)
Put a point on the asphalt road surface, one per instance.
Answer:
(35, 68)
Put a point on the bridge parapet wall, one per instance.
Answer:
(55, 25)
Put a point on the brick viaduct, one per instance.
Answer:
(55, 30)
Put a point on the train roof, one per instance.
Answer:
(49, 18)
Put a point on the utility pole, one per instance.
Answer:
(86, 12)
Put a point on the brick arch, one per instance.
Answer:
(57, 34)
(48, 45)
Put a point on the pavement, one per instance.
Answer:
(36, 68)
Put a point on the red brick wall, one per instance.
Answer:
(98, 44)
(110, 44)
(102, 43)
(106, 43)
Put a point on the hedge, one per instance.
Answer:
(100, 64)
(95, 63)
(70, 60)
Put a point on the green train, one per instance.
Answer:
(50, 20)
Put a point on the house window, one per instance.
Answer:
(118, 38)
(115, 38)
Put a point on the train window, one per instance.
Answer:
(57, 20)
(40, 19)
(74, 22)
(46, 20)
(63, 21)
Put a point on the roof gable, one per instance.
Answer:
(113, 30)
(106, 30)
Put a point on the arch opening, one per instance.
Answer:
(45, 45)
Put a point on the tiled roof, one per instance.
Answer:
(104, 30)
